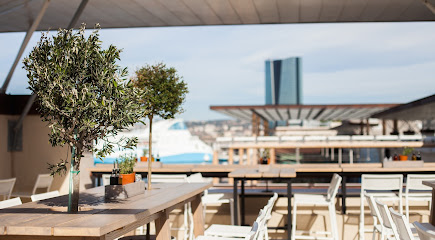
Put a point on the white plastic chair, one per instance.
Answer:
(43, 196)
(42, 181)
(319, 200)
(6, 187)
(374, 212)
(383, 185)
(106, 179)
(241, 231)
(388, 227)
(252, 235)
(425, 231)
(213, 198)
(188, 223)
(404, 231)
(414, 182)
(10, 203)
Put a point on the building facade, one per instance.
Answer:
(284, 81)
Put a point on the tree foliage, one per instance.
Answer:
(81, 92)
(164, 90)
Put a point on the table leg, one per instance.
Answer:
(163, 232)
(242, 202)
(198, 216)
(236, 202)
(289, 209)
(432, 209)
(99, 178)
(343, 194)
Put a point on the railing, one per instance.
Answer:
(325, 138)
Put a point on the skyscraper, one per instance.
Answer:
(284, 81)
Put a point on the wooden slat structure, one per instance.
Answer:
(99, 219)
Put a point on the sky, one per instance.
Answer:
(342, 63)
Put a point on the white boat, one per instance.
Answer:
(172, 143)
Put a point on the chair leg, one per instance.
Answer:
(293, 234)
(232, 211)
(407, 207)
(333, 219)
(361, 218)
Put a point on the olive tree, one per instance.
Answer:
(83, 95)
(163, 93)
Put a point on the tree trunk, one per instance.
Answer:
(149, 151)
(76, 187)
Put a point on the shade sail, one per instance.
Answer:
(17, 15)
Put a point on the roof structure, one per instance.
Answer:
(309, 112)
(18, 15)
(421, 109)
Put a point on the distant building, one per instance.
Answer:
(284, 81)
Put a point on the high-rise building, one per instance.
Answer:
(284, 81)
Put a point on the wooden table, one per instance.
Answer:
(432, 208)
(251, 173)
(99, 219)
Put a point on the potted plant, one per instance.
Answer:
(163, 93)
(84, 97)
(405, 153)
(144, 157)
(126, 169)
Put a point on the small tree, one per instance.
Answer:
(83, 95)
(163, 94)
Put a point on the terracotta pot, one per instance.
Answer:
(403, 158)
(143, 159)
(128, 178)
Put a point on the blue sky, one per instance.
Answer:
(224, 65)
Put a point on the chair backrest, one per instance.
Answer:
(254, 232)
(270, 205)
(261, 221)
(43, 181)
(385, 215)
(106, 179)
(168, 178)
(414, 181)
(402, 225)
(42, 196)
(382, 182)
(6, 187)
(333, 187)
(425, 231)
(10, 203)
(374, 211)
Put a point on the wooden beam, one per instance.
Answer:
(272, 156)
(230, 156)
(198, 216)
(241, 153)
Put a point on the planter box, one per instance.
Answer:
(115, 192)
(403, 164)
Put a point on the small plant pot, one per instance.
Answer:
(128, 178)
(143, 159)
(403, 157)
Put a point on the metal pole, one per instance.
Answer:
(29, 34)
(351, 156)
(77, 14)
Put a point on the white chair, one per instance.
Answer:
(319, 200)
(6, 186)
(187, 211)
(404, 231)
(241, 231)
(414, 182)
(374, 212)
(10, 203)
(381, 186)
(106, 179)
(213, 198)
(425, 231)
(43, 196)
(388, 227)
(252, 235)
(42, 181)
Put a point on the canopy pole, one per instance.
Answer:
(429, 5)
(26, 40)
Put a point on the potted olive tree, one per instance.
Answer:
(163, 93)
(83, 95)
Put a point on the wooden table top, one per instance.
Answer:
(98, 218)
(429, 184)
(254, 172)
